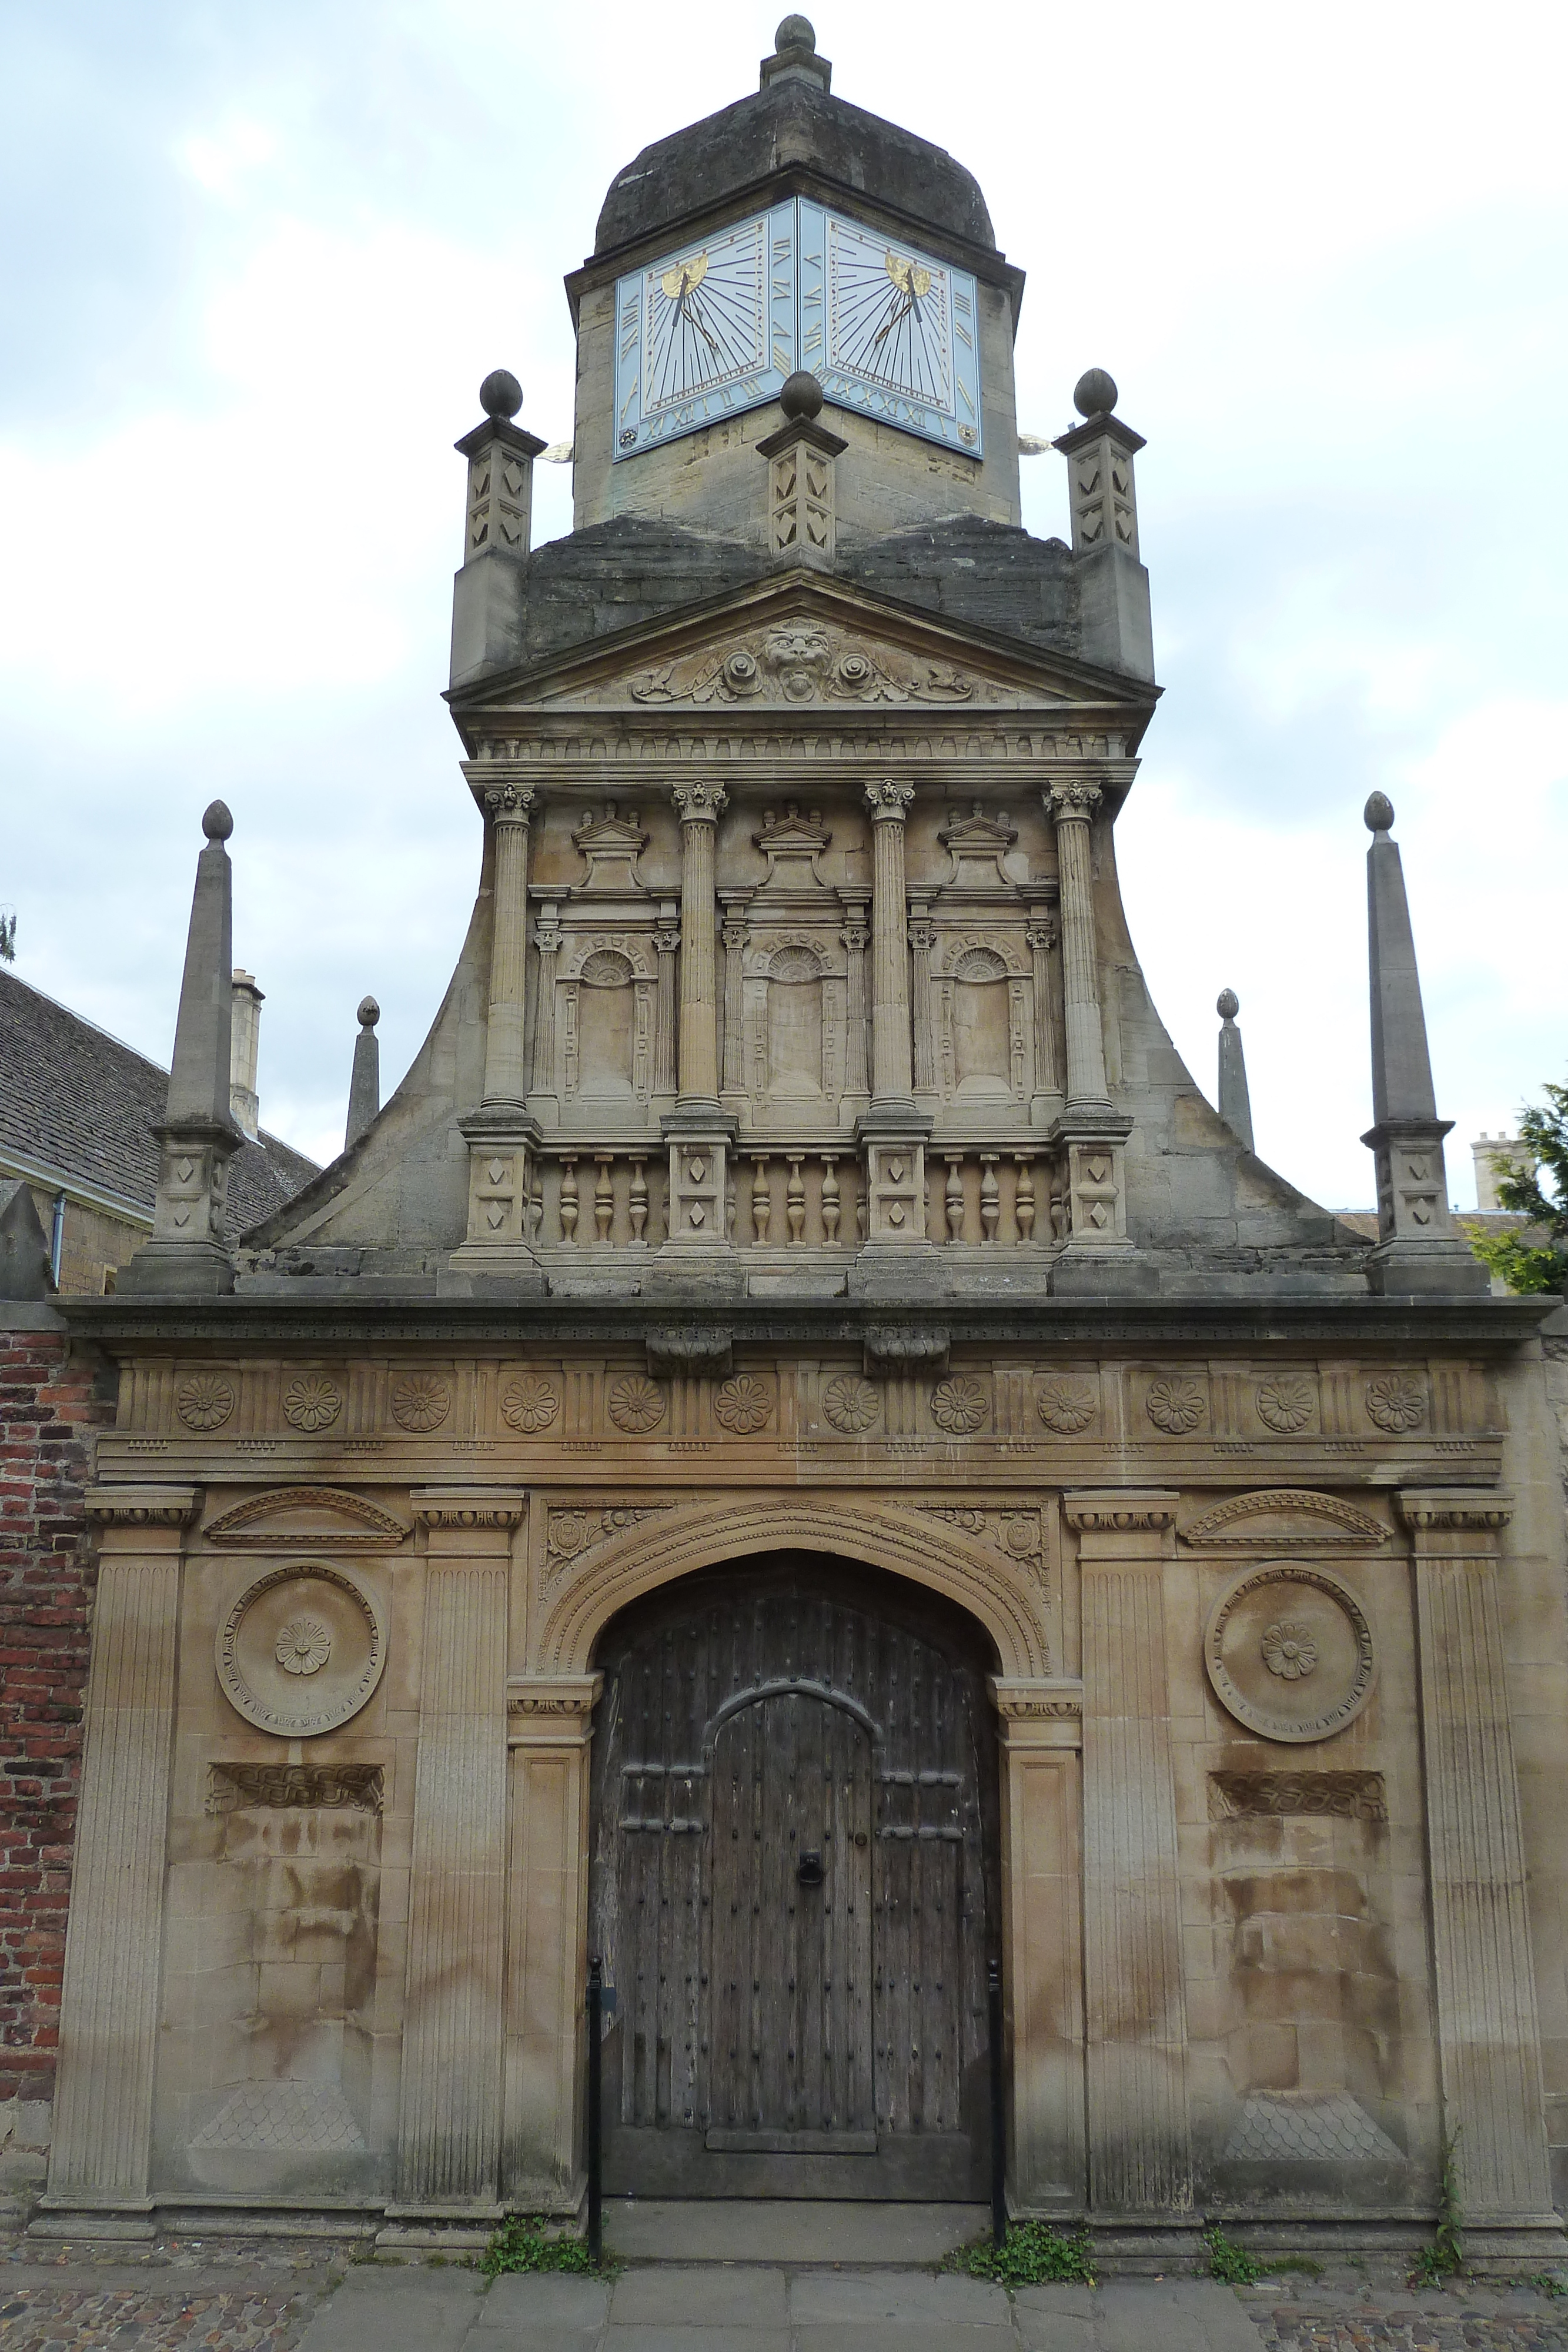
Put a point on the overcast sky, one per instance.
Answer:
(255, 261)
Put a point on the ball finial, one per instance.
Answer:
(500, 394)
(370, 1012)
(1378, 814)
(801, 394)
(795, 32)
(216, 822)
(1227, 1005)
(1094, 393)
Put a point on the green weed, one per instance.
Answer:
(1032, 2255)
(523, 2242)
(1229, 2262)
(1445, 2257)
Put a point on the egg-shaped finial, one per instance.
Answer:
(1227, 1005)
(1094, 393)
(795, 32)
(216, 822)
(370, 1012)
(1378, 814)
(500, 394)
(801, 394)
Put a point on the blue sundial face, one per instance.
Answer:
(706, 331)
(890, 330)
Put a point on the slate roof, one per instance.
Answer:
(77, 1101)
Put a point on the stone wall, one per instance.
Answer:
(47, 1412)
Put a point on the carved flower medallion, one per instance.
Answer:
(1289, 1650)
(312, 1402)
(421, 1401)
(851, 1403)
(1065, 1406)
(743, 1404)
(529, 1404)
(205, 1402)
(304, 1646)
(1176, 1406)
(1285, 1404)
(958, 1406)
(636, 1404)
(1396, 1403)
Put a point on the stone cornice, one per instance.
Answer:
(1117, 1511)
(1450, 1507)
(141, 1507)
(467, 1507)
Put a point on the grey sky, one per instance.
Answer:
(256, 261)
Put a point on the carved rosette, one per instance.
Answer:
(744, 1405)
(529, 1404)
(850, 1404)
(1396, 1403)
(205, 1401)
(421, 1401)
(637, 1404)
(312, 1402)
(1067, 1407)
(301, 1650)
(960, 1406)
(1289, 1651)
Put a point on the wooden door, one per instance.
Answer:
(789, 1905)
(784, 2026)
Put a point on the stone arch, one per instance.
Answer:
(997, 1591)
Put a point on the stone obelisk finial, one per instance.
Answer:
(486, 595)
(1417, 1249)
(1115, 625)
(365, 1084)
(187, 1255)
(1235, 1102)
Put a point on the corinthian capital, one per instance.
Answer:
(888, 801)
(699, 803)
(1072, 804)
(509, 802)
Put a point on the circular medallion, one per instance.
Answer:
(301, 1650)
(1289, 1651)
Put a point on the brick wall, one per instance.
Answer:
(48, 1409)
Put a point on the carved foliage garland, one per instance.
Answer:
(205, 1401)
(421, 1401)
(802, 661)
(312, 1402)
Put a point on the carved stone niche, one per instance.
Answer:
(596, 1043)
(981, 994)
(790, 993)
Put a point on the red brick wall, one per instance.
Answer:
(48, 1412)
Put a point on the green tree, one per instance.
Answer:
(1543, 1263)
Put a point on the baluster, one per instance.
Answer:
(954, 1198)
(795, 1196)
(569, 1197)
(603, 1195)
(638, 1203)
(1059, 1201)
(990, 1196)
(830, 1205)
(1023, 1198)
(761, 1202)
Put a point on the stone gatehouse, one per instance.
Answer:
(797, 1452)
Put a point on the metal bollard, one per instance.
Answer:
(999, 2114)
(595, 2124)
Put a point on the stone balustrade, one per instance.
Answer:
(1002, 1196)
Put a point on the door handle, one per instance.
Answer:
(809, 1870)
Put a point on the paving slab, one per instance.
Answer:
(711, 2296)
(555, 2299)
(637, 2339)
(788, 2230)
(1171, 2314)
(819, 2296)
(897, 2336)
(397, 2309)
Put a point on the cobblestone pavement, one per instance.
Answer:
(316, 2296)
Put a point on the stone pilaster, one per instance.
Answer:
(508, 806)
(666, 946)
(1091, 1136)
(700, 1133)
(502, 1134)
(547, 945)
(1140, 2154)
(733, 937)
(856, 936)
(1040, 1729)
(894, 1130)
(1489, 2040)
(922, 941)
(110, 2010)
(548, 1731)
(1041, 938)
(449, 2121)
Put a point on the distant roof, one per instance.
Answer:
(791, 126)
(79, 1103)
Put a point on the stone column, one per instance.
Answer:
(548, 1731)
(922, 940)
(1041, 1733)
(734, 992)
(1041, 938)
(508, 807)
(449, 2121)
(110, 2003)
(1072, 807)
(700, 805)
(547, 941)
(1489, 2037)
(1140, 2155)
(667, 943)
(856, 938)
(892, 1074)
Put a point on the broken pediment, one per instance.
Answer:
(1283, 1518)
(1280, 1520)
(307, 1515)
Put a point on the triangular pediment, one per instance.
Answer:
(288, 1515)
(802, 642)
(1284, 1519)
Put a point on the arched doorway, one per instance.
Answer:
(795, 1885)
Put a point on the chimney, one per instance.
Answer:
(1495, 1156)
(365, 1083)
(1417, 1249)
(487, 593)
(188, 1255)
(1235, 1103)
(1115, 627)
(245, 1044)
